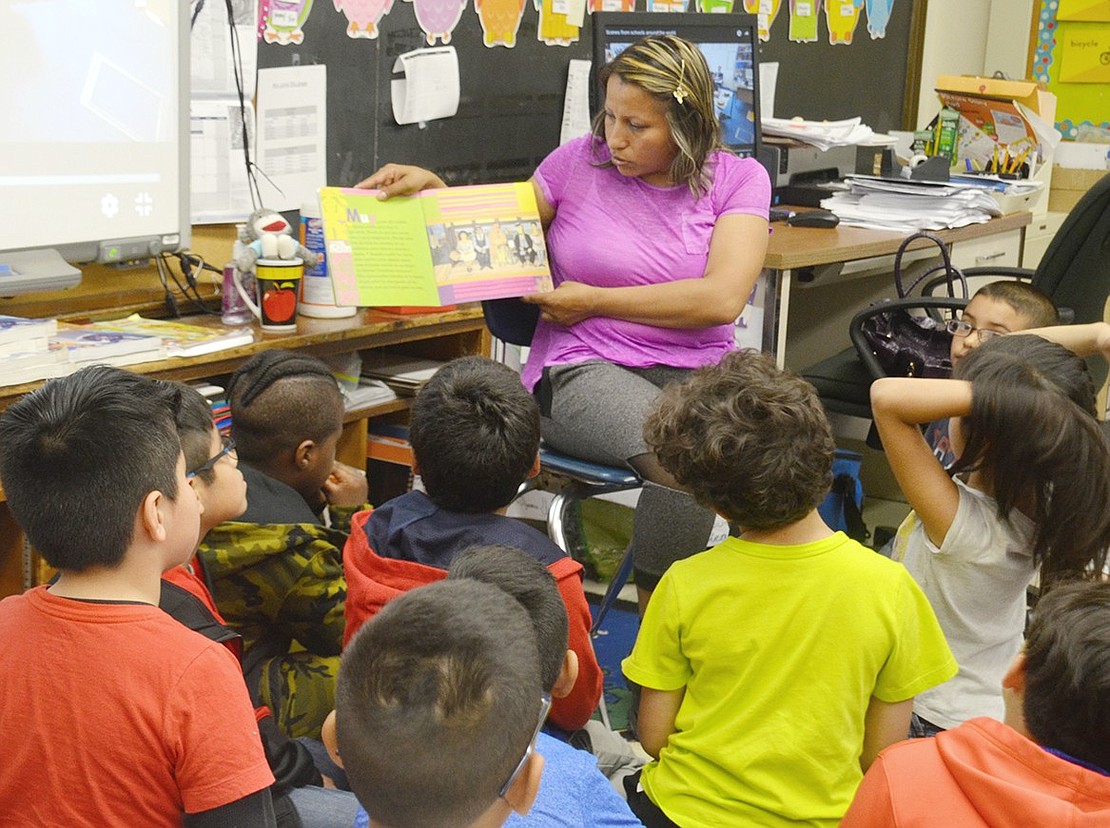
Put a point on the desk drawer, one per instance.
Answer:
(1003, 249)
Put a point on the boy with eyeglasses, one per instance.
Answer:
(436, 719)
(997, 308)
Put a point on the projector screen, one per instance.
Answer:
(94, 149)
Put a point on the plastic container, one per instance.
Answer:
(233, 310)
(317, 297)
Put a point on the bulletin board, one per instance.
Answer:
(1072, 56)
(511, 99)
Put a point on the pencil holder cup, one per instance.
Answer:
(278, 283)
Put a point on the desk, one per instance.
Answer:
(795, 248)
(435, 336)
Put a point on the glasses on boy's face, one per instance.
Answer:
(545, 708)
(957, 327)
(227, 446)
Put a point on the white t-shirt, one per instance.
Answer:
(976, 582)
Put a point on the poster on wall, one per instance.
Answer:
(1071, 58)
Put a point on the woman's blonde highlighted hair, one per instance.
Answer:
(674, 71)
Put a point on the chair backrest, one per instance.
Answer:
(511, 320)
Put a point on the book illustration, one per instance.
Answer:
(88, 344)
(441, 247)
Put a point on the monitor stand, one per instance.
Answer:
(34, 270)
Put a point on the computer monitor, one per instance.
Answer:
(730, 43)
(94, 152)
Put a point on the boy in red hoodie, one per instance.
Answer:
(1049, 764)
(475, 438)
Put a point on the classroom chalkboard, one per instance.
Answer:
(511, 100)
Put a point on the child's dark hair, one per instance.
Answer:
(1067, 672)
(1032, 431)
(79, 455)
(280, 398)
(475, 432)
(194, 429)
(1031, 303)
(433, 711)
(529, 581)
(747, 439)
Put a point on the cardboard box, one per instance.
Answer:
(1069, 185)
(1029, 93)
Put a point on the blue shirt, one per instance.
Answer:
(573, 794)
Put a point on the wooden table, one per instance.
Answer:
(796, 248)
(440, 335)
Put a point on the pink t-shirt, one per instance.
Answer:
(613, 231)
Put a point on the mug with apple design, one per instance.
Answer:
(278, 283)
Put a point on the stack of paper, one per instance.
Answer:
(25, 353)
(404, 374)
(825, 134)
(368, 392)
(902, 204)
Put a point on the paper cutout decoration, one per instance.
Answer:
(1084, 52)
(438, 18)
(803, 20)
(554, 30)
(842, 17)
(363, 15)
(878, 15)
(618, 5)
(500, 21)
(715, 6)
(766, 12)
(666, 5)
(280, 21)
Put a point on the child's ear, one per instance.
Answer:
(522, 794)
(303, 454)
(328, 737)
(151, 517)
(568, 675)
(532, 472)
(1015, 674)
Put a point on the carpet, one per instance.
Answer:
(613, 643)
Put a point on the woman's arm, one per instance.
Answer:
(899, 405)
(736, 251)
(1081, 340)
(401, 179)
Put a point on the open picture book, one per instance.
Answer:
(440, 247)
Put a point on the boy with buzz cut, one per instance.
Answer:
(776, 665)
(436, 718)
(475, 436)
(573, 791)
(276, 571)
(102, 689)
(1048, 764)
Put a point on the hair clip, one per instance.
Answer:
(680, 91)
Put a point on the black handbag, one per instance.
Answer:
(908, 344)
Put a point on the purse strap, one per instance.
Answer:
(954, 274)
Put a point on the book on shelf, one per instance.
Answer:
(404, 374)
(182, 339)
(439, 247)
(86, 345)
(21, 329)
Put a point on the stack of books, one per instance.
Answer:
(89, 345)
(404, 374)
(217, 401)
(180, 338)
(25, 352)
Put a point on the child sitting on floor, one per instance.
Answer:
(436, 719)
(475, 438)
(276, 571)
(776, 665)
(113, 713)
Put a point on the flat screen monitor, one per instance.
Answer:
(95, 146)
(730, 43)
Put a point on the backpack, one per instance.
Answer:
(841, 508)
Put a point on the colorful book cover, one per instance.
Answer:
(88, 344)
(440, 247)
(180, 338)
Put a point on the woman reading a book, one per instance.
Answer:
(656, 235)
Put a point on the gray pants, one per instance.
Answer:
(596, 411)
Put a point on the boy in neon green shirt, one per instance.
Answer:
(776, 665)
